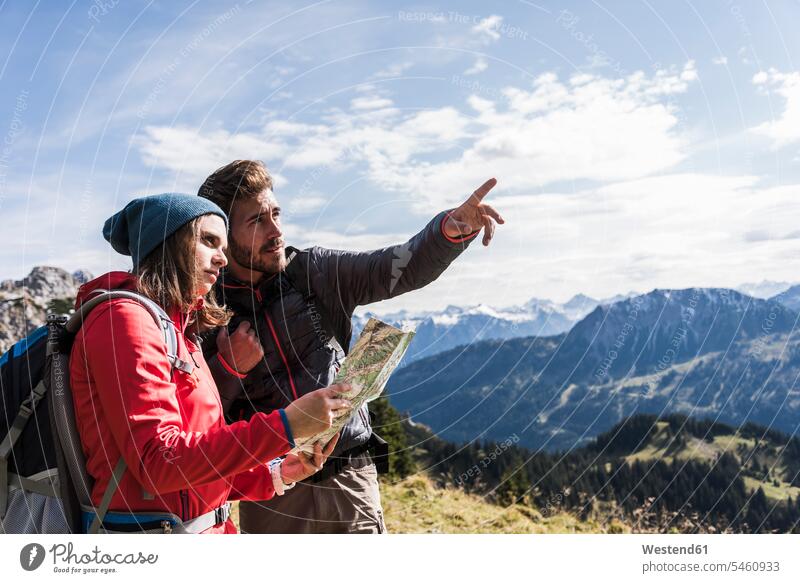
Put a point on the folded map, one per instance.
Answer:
(366, 369)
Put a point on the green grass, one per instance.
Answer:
(781, 492)
(662, 447)
(416, 505)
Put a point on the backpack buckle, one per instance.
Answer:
(222, 514)
(26, 407)
(181, 365)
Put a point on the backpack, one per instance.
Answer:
(44, 486)
(298, 272)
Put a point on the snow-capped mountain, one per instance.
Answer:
(461, 326)
(764, 289)
(676, 323)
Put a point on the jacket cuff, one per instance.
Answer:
(287, 428)
(456, 240)
(229, 368)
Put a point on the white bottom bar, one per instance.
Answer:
(407, 558)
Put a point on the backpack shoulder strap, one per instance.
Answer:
(162, 320)
(113, 484)
(297, 271)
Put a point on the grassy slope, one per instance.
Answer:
(416, 505)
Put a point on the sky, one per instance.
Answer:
(637, 144)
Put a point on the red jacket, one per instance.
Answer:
(168, 425)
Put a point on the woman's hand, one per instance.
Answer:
(296, 468)
(315, 411)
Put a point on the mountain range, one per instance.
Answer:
(763, 289)
(554, 374)
(439, 331)
(705, 352)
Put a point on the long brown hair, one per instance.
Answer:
(168, 276)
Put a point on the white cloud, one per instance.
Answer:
(689, 72)
(671, 231)
(57, 219)
(721, 60)
(193, 154)
(785, 129)
(595, 128)
(306, 204)
(349, 239)
(601, 129)
(488, 28)
(744, 55)
(479, 66)
(394, 70)
(677, 230)
(370, 102)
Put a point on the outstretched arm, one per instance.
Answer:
(363, 278)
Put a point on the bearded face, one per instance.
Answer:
(255, 242)
(268, 259)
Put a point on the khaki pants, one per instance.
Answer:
(349, 502)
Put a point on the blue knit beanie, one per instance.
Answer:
(146, 222)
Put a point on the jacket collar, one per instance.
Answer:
(231, 285)
(123, 280)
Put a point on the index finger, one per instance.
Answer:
(483, 190)
(308, 462)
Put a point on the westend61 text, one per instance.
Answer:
(675, 550)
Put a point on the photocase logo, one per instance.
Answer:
(31, 556)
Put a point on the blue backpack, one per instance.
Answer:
(44, 486)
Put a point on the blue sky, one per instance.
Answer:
(636, 144)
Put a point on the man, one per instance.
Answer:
(292, 329)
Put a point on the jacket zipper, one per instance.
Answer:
(280, 351)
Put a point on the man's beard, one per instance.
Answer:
(261, 261)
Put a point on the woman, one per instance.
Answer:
(166, 422)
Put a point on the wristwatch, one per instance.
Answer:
(277, 480)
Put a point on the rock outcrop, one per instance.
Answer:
(24, 303)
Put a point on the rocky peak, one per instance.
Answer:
(24, 302)
(43, 282)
